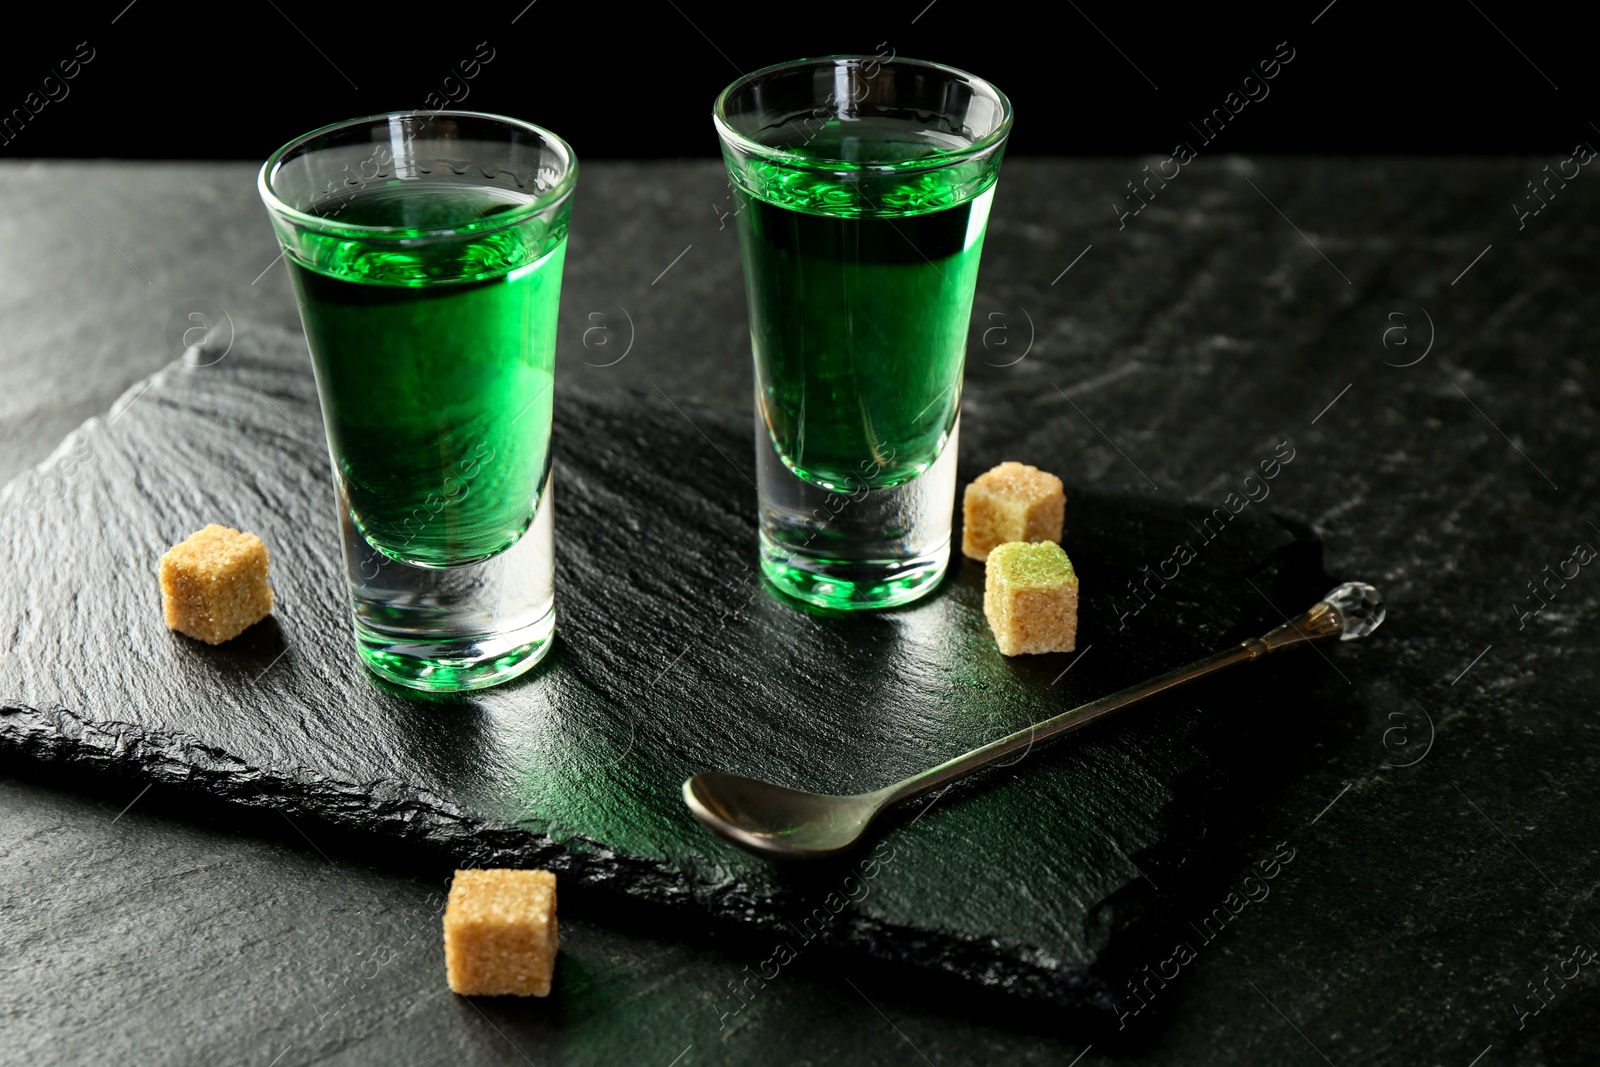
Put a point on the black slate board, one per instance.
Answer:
(672, 657)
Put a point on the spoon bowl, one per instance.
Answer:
(775, 820)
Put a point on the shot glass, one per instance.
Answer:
(426, 251)
(862, 188)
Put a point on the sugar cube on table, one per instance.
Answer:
(500, 932)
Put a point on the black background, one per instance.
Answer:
(637, 80)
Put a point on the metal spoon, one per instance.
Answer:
(784, 823)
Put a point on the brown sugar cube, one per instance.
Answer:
(1012, 502)
(1030, 597)
(214, 585)
(500, 932)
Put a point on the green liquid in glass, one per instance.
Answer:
(860, 293)
(435, 360)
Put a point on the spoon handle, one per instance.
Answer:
(1350, 611)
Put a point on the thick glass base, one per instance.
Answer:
(849, 584)
(872, 548)
(455, 666)
(451, 629)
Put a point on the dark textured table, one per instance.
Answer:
(1406, 881)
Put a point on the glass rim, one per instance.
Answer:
(943, 157)
(557, 192)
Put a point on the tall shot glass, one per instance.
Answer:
(426, 251)
(863, 189)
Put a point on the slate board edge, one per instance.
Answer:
(61, 737)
